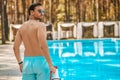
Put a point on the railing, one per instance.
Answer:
(13, 30)
(75, 30)
(98, 28)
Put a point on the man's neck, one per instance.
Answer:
(32, 18)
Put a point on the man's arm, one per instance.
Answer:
(16, 46)
(43, 42)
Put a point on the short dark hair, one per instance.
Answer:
(32, 7)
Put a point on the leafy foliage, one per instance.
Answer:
(59, 11)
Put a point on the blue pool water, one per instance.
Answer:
(97, 59)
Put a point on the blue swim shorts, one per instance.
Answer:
(35, 68)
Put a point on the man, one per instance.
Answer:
(37, 60)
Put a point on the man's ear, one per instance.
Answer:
(31, 12)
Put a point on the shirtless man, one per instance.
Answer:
(37, 63)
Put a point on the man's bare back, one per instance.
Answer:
(29, 34)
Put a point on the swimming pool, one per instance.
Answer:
(97, 59)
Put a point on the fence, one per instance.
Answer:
(77, 31)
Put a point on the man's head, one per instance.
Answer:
(36, 11)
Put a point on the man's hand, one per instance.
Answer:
(52, 69)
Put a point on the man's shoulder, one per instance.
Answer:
(24, 23)
(42, 24)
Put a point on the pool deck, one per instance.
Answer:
(9, 70)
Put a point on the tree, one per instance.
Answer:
(2, 21)
(78, 10)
